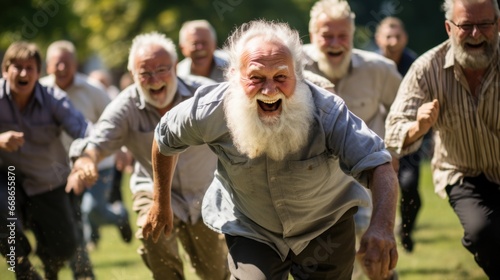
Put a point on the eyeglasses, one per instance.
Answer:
(159, 72)
(468, 27)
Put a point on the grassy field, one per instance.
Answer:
(438, 253)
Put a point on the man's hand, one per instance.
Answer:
(83, 175)
(377, 253)
(427, 115)
(160, 219)
(11, 141)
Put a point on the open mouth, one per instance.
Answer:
(157, 91)
(334, 53)
(475, 46)
(22, 83)
(199, 55)
(269, 105)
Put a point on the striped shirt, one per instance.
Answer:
(467, 138)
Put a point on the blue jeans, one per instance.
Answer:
(96, 210)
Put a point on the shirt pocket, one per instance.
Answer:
(307, 177)
(364, 107)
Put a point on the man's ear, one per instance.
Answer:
(447, 26)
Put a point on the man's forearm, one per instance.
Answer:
(414, 133)
(163, 171)
(384, 188)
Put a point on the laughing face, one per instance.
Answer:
(22, 75)
(64, 66)
(473, 47)
(267, 75)
(267, 110)
(155, 76)
(333, 39)
(199, 45)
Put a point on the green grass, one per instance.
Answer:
(438, 253)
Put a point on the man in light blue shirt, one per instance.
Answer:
(276, 194)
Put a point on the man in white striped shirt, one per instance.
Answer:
(455, 89)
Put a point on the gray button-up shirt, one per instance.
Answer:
(284, 204)
(42, 161)
(129, 121)
(217, 72)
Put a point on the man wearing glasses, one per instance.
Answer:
(130, 120)
(454, 88)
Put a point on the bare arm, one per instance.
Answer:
(84, 173)
(160, 218)
(427, 116)
(378, 253)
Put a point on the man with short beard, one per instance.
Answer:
(276, 194)
(129, 121)
(454, 89)
(366, 81)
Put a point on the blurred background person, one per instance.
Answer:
(34, 165)
(198, 44)
(392, 39)
(90, 98)
(366, 81)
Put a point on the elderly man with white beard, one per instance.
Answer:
(454, 89)
(275, 194)
(366, 81)
(129, 121)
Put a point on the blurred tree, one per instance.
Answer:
(39, 21)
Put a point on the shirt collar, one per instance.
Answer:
(5, 92)
(449, 59)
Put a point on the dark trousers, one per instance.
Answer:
(476, 201)
(48, 215)
(409, 172)
(328, 256)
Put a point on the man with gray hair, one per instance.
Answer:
(366, 81)
(129, 121)
(275, 193)
(90, 98)
(198, 43)
(454, 89)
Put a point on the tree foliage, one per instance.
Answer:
(106, 27)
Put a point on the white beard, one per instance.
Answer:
(334, 72)
(171, 89)
(275, 137)
(474, 60)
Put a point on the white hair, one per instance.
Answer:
(334, 9)
(61, 45)
(448, 6)
(196, 24)
(148, 39)
(266, 31)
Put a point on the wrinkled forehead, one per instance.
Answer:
(269, 53)
(473, 10)
(152, 55)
